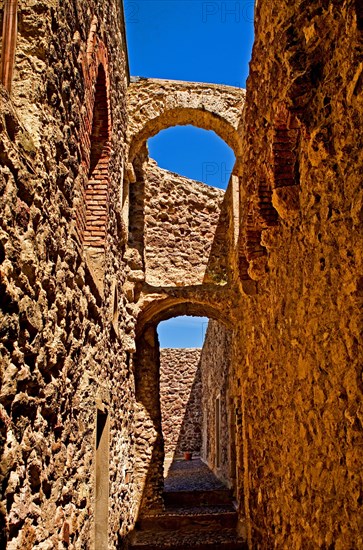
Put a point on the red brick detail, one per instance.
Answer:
(97, 194)
(285, 149)
(95, 136)
(9, 35)
(253, 248)
(267, 214)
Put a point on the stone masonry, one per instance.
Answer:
(181, 401)
(87, 272)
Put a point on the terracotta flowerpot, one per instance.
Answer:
(188, 455)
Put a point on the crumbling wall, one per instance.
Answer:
(181, 218)
(215, 371)
(181, 401)
(63, 331)
(298, 345)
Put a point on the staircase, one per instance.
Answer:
(204, 519)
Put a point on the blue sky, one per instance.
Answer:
(194, 153)
(182, 332)
(200, 41)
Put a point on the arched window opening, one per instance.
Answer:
(194, 153)
(8, 44)
(97, 192)
(178, 224)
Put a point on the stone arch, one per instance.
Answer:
(147, 372)
(155, 105)
(163, 308)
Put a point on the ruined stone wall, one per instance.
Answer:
(215, 370)
(181, 218)
(181, 401)
(64, 323)
(298, 344)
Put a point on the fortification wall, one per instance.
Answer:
(64, 326)
(298, 343)
(181, 401)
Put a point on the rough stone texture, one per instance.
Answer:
(181, 218)
(298, 343)
(54, 323)
(155, 104)
(181, 401)
(215, 374)
(71, 318)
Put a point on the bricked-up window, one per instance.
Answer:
(9, 34)
(97, 193)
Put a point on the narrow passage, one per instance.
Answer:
(199, 513)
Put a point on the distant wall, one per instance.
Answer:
(181, 404)
(181, 218)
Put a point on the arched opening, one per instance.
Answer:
(178, 395)
(188, 437)
(203, 118)
(178, 226)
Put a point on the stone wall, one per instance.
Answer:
(215, 374)
(181, 401)
(298, 341)
(293, 296)
(63, 328)
(181, 219)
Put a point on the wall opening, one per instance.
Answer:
(218, 430)
(181, 339)
(102, 479)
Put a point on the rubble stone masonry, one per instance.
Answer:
(181, 401)
(297, 363)
(84, 278)
(56, 319)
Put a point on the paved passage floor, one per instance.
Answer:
(191, 475)
(198, 513)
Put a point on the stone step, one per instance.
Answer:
(197, 498)
(202, 517)
(221, 539)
